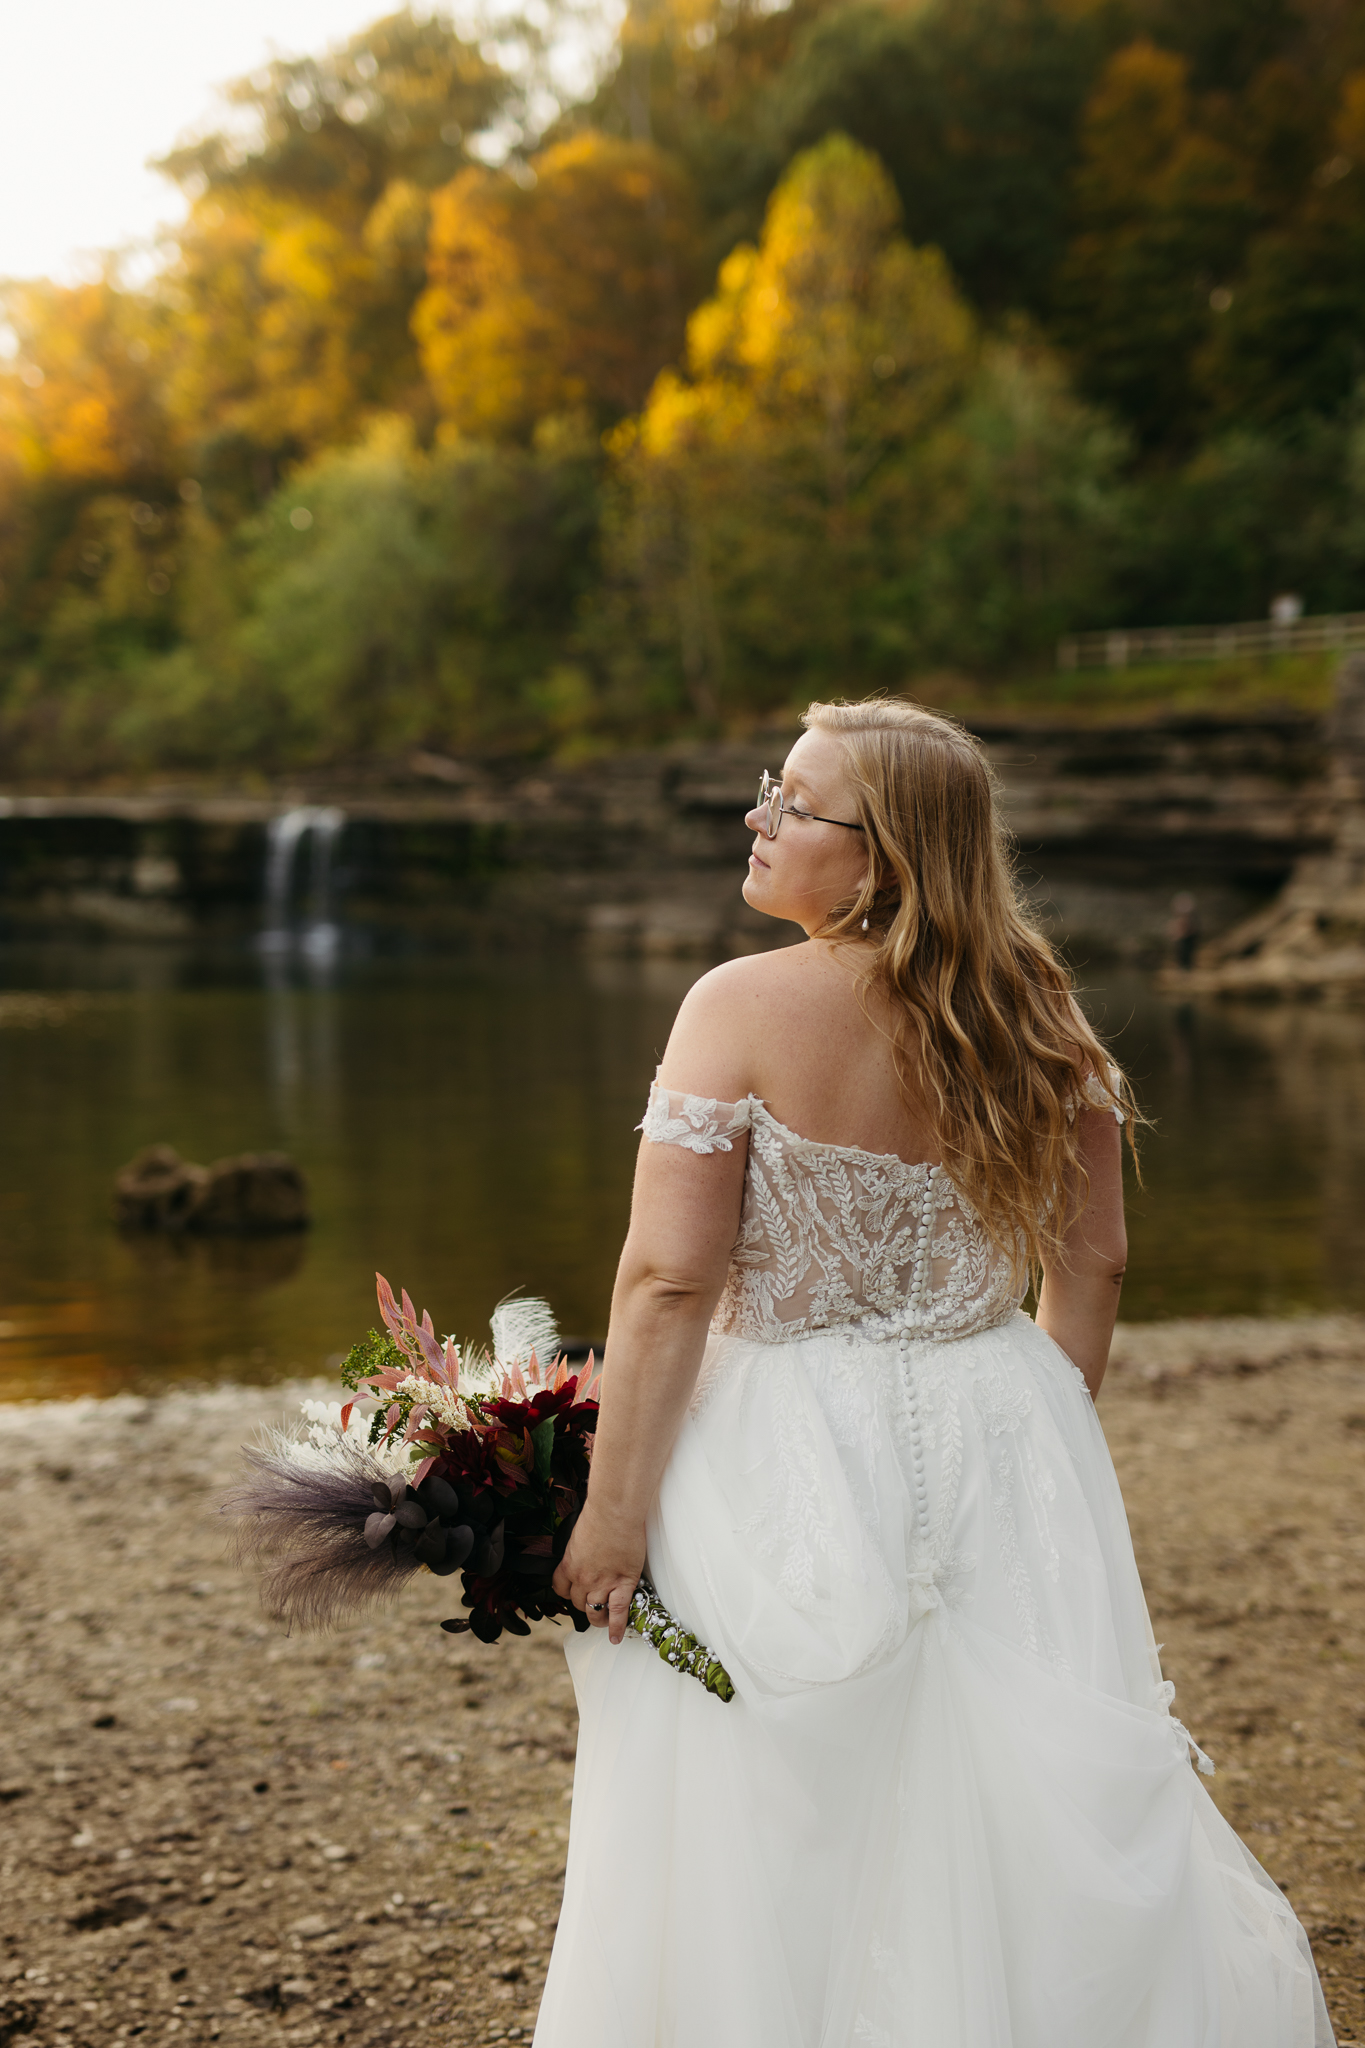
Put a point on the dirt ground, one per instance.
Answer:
(210, 1832)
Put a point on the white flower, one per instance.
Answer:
(325, 1436)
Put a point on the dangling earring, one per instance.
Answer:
(864, 924)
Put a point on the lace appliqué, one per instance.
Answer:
(699, 1123)
(1095, 1095)
(832, 1236)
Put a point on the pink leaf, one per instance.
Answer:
(428, 1346)
(422, 1470)
(588, 1381)
(513, 1385)
(388, 1307)
(346, 1416)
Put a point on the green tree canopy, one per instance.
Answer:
(844, 478)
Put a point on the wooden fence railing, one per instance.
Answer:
(1128, 647)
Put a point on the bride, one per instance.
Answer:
(949, 1806)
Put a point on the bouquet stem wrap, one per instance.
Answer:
(651, 1619)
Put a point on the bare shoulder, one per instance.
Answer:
(719, 1032)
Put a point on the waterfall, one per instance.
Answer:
(321, 825)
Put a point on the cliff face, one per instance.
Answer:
(1310, 940)
(645, 851)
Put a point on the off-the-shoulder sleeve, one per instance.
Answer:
(1093, 1092)
(697, 1122)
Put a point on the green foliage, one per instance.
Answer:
(1003, 318)
(1252, 513)
(390, 598)
(1153, 690)
(973, 107)
(373, 1354)
(852, 484)
(1164, 211)
(543, 1438)
(1030, 526)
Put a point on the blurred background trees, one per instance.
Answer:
(820, 347)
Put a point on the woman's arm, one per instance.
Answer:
(684, 1219)
(1080, 1298)
(683, 1222)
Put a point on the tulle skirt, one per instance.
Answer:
(949, 1806)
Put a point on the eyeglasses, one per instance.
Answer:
(772, 810)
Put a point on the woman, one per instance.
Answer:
(949, 1807)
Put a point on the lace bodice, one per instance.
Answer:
(833, 1236)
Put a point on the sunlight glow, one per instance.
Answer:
(89, 92)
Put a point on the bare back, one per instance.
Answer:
(789, 1027)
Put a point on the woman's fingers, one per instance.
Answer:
(618, 1609)
(609, 1608)
(599, 1579)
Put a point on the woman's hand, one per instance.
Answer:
(601, 1569)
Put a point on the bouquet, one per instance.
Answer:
(475, 1463)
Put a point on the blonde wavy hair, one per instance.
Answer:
(987, 1035)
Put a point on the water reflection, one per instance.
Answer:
(246, 1265)
(1255, 1169)
(467, 1126)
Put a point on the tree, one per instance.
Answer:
(1292, 338)
(973, 106)
(764, 495)
(304, 252)
(386, 597)
(1164, 213)
(568, 292)
(89, 467)
(1228, 42)
(691, 76)
(1028, 514)
(329, 135)
(1250, 514)
(80, 400)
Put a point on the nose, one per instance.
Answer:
(754, 818)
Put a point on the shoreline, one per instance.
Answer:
(1175, 1347)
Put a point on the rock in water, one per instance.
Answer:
(255, 1194)
(157, 1190)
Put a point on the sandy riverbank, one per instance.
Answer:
(213, 1833)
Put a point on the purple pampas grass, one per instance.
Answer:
(302, 1519)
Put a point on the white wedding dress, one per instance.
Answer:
(949, 1806)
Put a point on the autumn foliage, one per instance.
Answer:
(819, 348)
(567, 292)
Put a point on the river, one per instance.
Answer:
(466, 1128)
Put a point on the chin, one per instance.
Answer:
(760, 898)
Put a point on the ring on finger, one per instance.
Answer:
(598, 1606)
